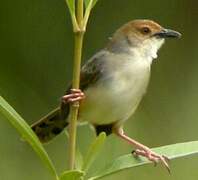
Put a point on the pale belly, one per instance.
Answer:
(116, 98)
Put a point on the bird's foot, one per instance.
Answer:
(142, 150)
(74, 96)
(152, 156)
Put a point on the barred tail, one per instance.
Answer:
(49, 126)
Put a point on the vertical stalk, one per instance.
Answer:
(74, 107)
(78, 43)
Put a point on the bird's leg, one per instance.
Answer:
(142, 150)
(75, 95)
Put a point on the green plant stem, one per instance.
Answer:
(75, 106)
(78, 42)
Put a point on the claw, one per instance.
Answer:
(152, 156)
(142, 150)
(133, 152)
(76, 95)
(166, 161)
(155, 164)
(166, 158)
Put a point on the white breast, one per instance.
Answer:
(116, 95)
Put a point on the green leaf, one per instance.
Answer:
(88, 1)
(89, 4)
(128, 161)
(24, 129)
(71, 6)
(72, 175)
(94, 3)
(78, 159)
(93, 150)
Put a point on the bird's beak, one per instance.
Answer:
(167, 33)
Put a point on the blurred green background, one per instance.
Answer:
(36, 44)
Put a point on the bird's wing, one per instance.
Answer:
(54, 122)
(90, 73)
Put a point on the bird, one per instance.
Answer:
(112, 84)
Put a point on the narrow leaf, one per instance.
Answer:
(94, 3)
(93, 150)
(79, 156)
(128, 161)
(87, 13)
(89, 4)
(71, 6)
(26, 132)
(88, 1)
(78, 160)
(72, 175)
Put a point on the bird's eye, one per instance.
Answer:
(146, 30)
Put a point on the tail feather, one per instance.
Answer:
(49, 126)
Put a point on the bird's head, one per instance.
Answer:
(145, 35)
